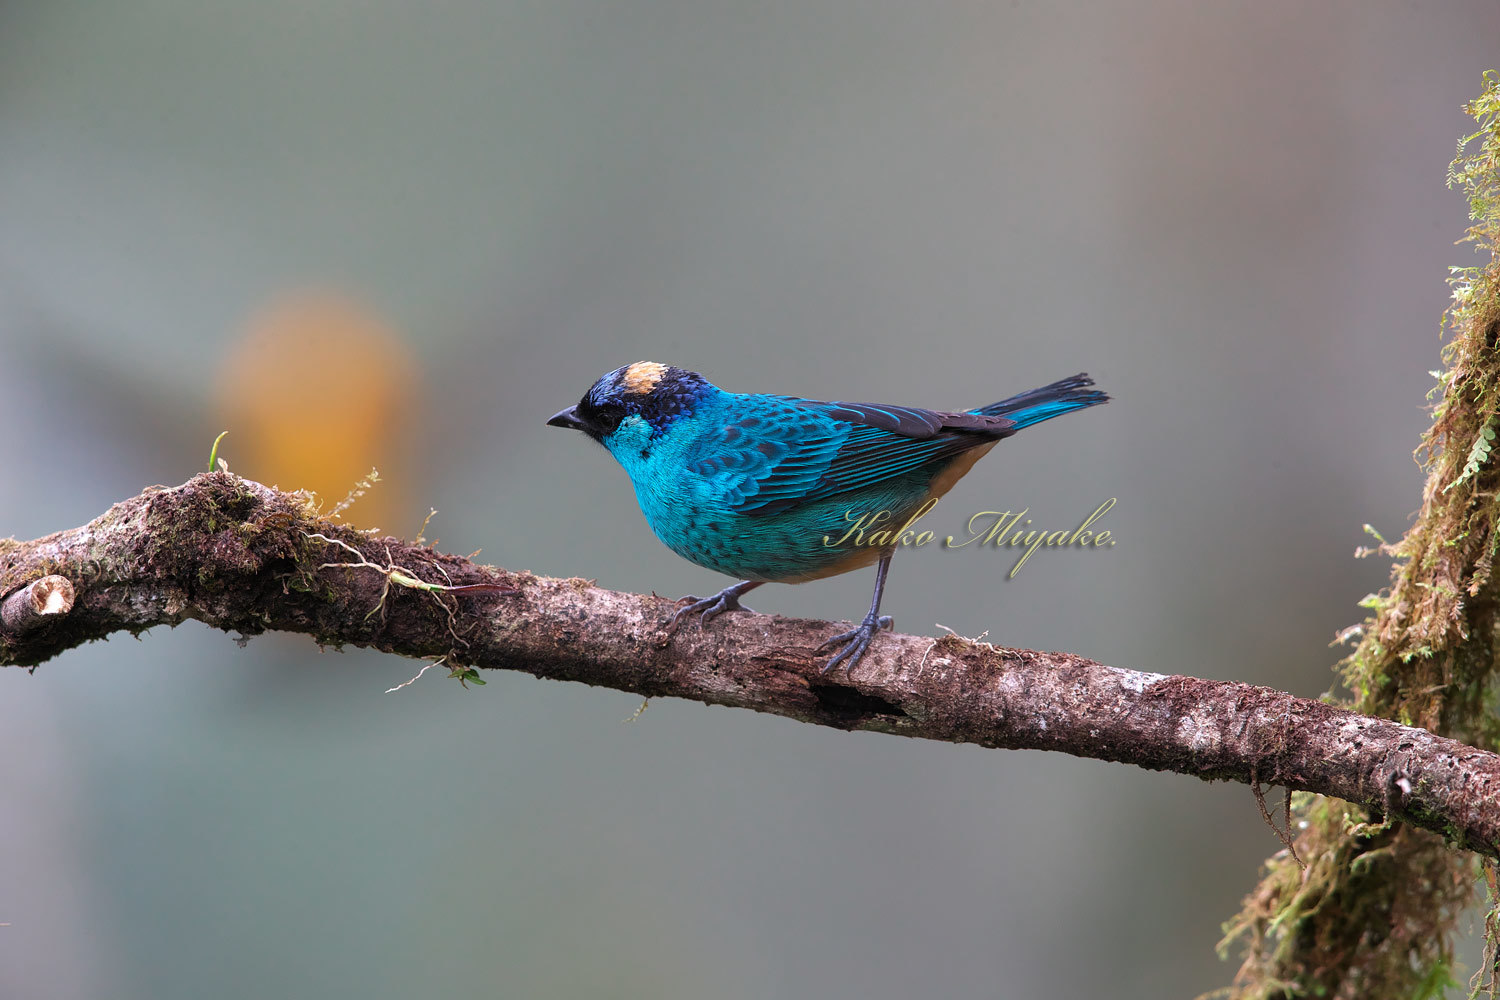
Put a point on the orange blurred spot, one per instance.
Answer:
(317, 391)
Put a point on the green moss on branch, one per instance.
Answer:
(1376, 912)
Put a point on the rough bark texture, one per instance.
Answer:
(244, 557)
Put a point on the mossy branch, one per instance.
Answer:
(247, 558)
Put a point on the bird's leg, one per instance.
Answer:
(857, 639)
(727, 599)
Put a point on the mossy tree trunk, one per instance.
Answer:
(1375, 910)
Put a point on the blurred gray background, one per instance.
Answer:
(374, 233)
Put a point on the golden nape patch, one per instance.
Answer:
(642, 376)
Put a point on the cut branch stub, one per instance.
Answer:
(39, 603)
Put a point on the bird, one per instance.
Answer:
(755, 486)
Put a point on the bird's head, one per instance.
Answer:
(635, 403)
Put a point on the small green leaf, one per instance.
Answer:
(213, 453)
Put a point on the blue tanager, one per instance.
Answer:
(757, 486)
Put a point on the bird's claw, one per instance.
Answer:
(854, 642)
(710, 607)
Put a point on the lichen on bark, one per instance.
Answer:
(1377, 909)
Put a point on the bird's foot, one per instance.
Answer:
(709, 608)
(854, 642)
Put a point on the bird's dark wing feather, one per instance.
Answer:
(903, 421)
(790, 451)
(889, 441)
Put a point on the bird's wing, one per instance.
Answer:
(791, 450)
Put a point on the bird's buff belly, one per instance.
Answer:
(789, 546)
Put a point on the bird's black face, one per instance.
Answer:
(658, 393)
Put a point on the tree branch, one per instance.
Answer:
(243, 557)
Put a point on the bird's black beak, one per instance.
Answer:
(567, 418)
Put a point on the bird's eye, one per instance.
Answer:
(609, 417)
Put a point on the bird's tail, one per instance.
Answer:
(1047, 402)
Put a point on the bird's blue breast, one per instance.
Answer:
(749, 485)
